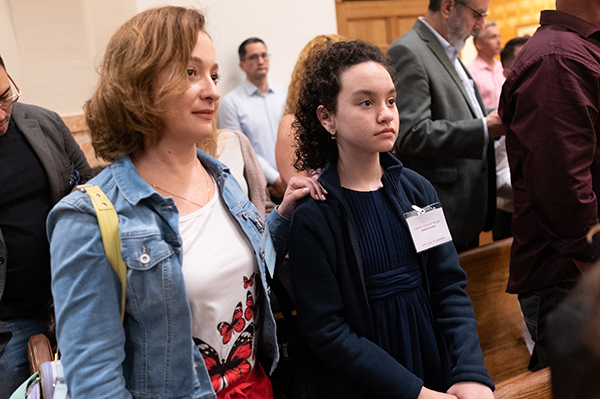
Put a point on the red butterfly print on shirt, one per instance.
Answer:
(226, 373)
(249, 281)
(250, 306)
(237, 324)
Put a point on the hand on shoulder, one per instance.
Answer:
(297, 188)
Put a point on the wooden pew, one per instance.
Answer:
(499, 319)
(527, 385)
(81, 134)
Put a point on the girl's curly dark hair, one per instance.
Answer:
(321, 86)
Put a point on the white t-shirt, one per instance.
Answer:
(221, 277)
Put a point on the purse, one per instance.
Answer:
(47, 380)
(39, 351)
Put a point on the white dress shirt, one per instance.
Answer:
(257, 115)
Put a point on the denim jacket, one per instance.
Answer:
(150, 355)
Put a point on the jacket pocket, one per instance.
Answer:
(143, 252)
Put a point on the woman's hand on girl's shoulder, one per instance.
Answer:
(298, 187)
(471, 390)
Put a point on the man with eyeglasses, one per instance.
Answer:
(550, 104)
(445, 133)
(39, 163)
(255, 108)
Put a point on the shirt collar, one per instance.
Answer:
(252, 90)
(568, 21)
(451, 52)
(483, 64)
(134, 188)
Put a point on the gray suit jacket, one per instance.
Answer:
(60, 154)
(440, 136)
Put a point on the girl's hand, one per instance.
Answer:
(298, 187)
(429, 394)
(471, 390)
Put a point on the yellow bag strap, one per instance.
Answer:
(108, 220)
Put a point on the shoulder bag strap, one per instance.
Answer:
(108, 220)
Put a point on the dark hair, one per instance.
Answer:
(242, 48)
(436, 5)
(2, 63)
(507, 55)
(127, 110)
(321, 86)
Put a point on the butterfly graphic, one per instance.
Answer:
(237, 324)
(225, 373)
(250, 306)
(249, 281)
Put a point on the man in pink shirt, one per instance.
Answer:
(486, 70)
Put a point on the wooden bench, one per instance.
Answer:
(499, 319)
(527, 385)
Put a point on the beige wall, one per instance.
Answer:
(52, 48)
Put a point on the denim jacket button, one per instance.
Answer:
(262, 253)
(245, 216)
(259, 225)
(144, 259)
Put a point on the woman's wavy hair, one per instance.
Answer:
(305, 59)
(127, 110)
(321, 86)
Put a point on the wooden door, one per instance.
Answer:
(378, 21)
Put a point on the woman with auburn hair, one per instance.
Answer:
(284, 148)
(197, 319)
(379, 319)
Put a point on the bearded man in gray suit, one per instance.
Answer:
(445, 134)
(39, 163)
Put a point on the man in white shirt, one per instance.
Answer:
(445, 134)
(255, 108)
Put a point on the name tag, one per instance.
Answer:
(428, 227)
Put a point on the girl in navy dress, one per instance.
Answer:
(379, 319)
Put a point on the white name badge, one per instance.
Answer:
(428, 227)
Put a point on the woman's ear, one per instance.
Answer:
(326, 118)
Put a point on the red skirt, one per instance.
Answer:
(256, 385)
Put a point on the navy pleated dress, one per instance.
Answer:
(400, 309)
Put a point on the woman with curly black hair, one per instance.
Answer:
(379, 319)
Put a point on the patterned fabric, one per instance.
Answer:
(401, 315)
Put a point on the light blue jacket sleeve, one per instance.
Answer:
(86, 293)
(279, 228)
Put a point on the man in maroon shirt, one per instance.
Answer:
(550, 105)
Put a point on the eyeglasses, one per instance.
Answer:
(479, 15)
(254, 57)
(12, 99)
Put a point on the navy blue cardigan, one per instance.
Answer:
(333, 311)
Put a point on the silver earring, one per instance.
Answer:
(333, 133)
